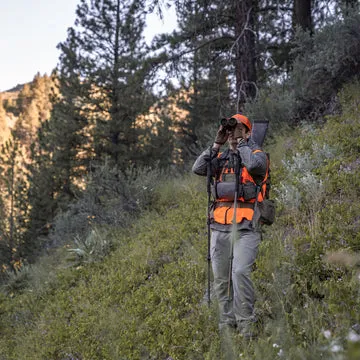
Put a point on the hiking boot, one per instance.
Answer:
(226, 329)
(247, 329)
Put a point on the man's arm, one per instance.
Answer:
(201, 163)
(254, 161)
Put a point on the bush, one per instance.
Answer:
(94, 247)
(323, 65)
(275, 104)
(16, 280)
(111, 198)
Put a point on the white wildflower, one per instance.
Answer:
(353, 336)
(336, 348)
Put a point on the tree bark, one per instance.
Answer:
(302, 15)
(244, 49)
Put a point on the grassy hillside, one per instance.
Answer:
(145, 300)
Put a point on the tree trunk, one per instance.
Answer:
(244, 49)
(302, 15)
(114, 110)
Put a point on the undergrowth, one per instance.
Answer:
(143, 298)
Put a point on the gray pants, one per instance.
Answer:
(240, 306)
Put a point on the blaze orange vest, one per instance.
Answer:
(224, 209)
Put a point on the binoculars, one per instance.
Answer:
(228, 124)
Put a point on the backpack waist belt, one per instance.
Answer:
(239, 204)
(223, 212)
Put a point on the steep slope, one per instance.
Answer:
(146, 299)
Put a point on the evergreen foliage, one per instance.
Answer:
(329, 60)
(323, 64)
(102, 71)
(41, 195)
(111, 198)
(14, 200)
(33, 108)
(4, 130)
(225, 54)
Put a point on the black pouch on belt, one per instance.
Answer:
(267, 211)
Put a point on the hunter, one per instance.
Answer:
(240, 171)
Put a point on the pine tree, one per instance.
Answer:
(4, 129)
(159, 143)
(212, 72)
(101, 90)
(66, 138)
(42, 198)
(34, 106)
(26, 124)
(24, 99)
(5, 251)
(14, 195)
(244, 50)
(222, 32)
(106, 52)
(42, 88)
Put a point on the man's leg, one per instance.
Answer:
(245, 250)
(220, 253)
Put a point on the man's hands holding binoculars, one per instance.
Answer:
(221, 136)
(226, 127)
(229, 130)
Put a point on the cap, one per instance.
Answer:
(243, 120)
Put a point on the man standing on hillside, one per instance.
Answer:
(237, 184)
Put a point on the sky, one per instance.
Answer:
(31, 29)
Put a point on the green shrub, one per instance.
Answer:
(94, 247)
(276, 104)
(323, 65)
(16, 280)
(111, 198)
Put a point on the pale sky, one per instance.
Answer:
(30, 31)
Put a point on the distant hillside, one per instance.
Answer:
(12, 94)
(24, 106)
(9, 100)
(15, 89)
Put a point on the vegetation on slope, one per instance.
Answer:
(145, 299)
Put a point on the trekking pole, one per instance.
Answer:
(208, 222)
(234, 225)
